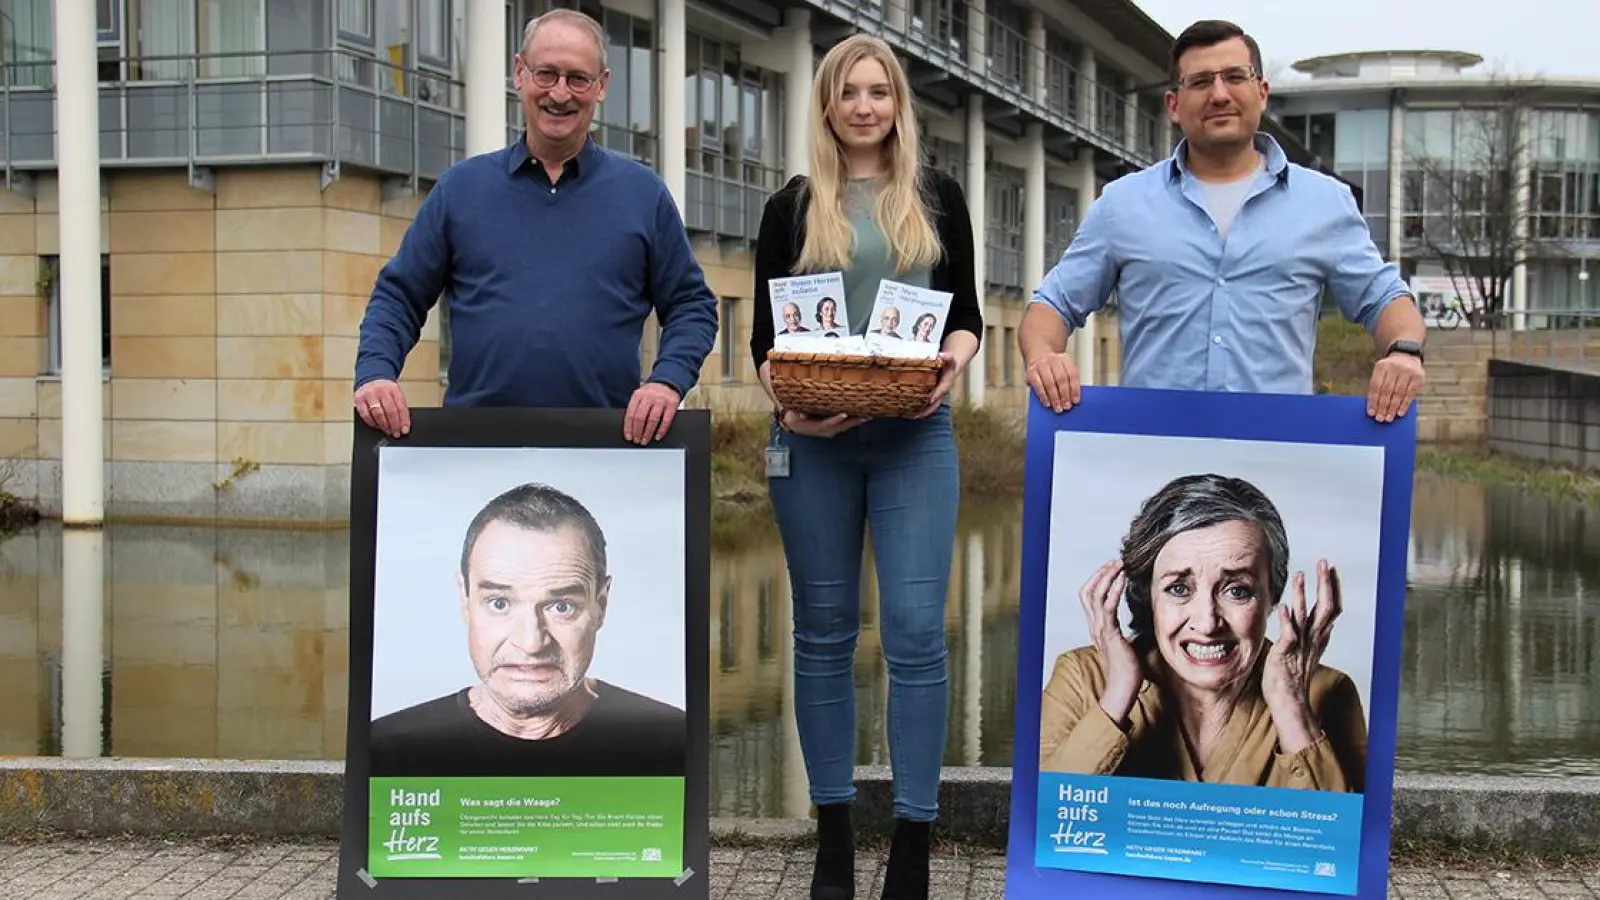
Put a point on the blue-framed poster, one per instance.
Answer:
(1213, 593)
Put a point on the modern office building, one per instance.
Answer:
(1456, 160)
(259, 161)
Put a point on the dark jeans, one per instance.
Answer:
(898, 477)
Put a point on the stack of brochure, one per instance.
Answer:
(810, 315)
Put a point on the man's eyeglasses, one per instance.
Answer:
(1233, 76)
(577, 82)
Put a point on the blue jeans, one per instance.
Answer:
(898, 477)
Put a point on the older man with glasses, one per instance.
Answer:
(553, 252)
(1220, 256)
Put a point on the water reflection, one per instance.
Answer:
(1501, 671)
(220, 644)
(83, 661)
(204, 643)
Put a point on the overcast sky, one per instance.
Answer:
(1555, 38)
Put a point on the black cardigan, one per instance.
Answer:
(783, 234)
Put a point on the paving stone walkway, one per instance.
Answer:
(144, 868)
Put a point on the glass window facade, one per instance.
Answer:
(26, 46)
(942, 24)
(1007, 27)
(946, 156)
(1459, 194)
(377, 84)
(1003, 195)
(733, 114)
(1060, 223)
(1360, 141)
(1566, 175)
(1355, 144)
(1060, 77)
(625, 120)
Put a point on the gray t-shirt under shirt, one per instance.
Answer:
(1225, 198)
(870, 263)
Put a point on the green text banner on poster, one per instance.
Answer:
(526, 827)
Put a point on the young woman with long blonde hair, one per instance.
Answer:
(870, 210)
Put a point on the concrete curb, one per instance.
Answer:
(303, 799)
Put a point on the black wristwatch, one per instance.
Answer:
(1411, 348)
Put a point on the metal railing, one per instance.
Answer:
(1052, 89)
(334, 106)
(1552, 335)
(341, 106)
(729, 207)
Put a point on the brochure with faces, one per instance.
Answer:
(809, 314)
(907, 321)
(809, 309)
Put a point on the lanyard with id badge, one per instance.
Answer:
(777, 453)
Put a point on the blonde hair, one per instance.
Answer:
(900, 210)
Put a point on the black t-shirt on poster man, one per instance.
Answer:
(623, 734)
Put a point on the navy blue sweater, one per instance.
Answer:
(548, 286)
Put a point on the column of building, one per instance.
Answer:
(977, 203)
(1397, 182)
(797, 92)
(1086, 339)
(1521, 185)
(78, 167)
(486, 76)
(972, 646)
(82, 388)
(1088, 84)
(1033, 227)
(672, 36)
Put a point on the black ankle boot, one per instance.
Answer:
(834, 877)
(907, 875)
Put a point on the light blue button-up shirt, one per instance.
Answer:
(1197, 311)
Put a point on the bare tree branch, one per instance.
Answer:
(1276, 70)
(1466, 196)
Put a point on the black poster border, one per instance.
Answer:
(478, 427)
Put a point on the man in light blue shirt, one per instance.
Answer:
(1220, 254)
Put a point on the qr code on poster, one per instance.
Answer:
(1324, 868)
(652, 854)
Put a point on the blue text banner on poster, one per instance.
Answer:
(1262, 837)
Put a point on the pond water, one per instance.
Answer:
(226, 643)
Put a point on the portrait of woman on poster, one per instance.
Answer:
(922, 328)
(870, 210)
(828, 316)
(1198, 692)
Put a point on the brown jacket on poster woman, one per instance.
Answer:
(1076, 736)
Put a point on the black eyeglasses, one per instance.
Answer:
(577, 82)
(1233, 76)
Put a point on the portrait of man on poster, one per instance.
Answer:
(534, 591)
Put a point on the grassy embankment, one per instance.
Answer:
(1343, 366)
(990, 443)
(991, 448)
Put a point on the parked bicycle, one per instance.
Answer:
(1442, 312)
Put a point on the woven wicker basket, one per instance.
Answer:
(827, 384)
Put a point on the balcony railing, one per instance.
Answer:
(1056, 100)
(336, 106)
(728, 207)
(1001, 260)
